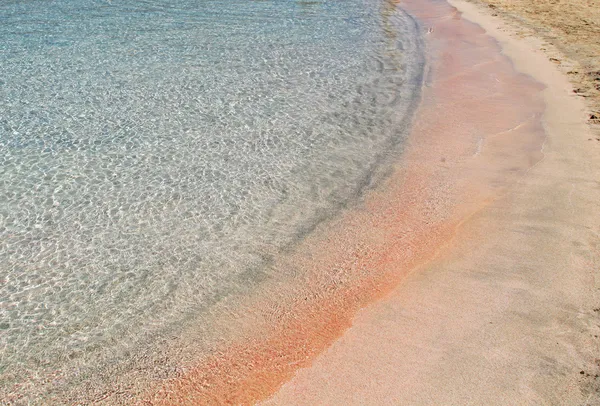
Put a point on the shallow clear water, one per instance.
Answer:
(154, 155)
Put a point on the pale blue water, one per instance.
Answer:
(154, 155)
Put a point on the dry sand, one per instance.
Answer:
(570, 30)
(509, 311)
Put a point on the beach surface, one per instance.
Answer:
(450, 253)
(508, 311)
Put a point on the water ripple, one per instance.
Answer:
(153, 153)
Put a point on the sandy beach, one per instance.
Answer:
(508, 312)
(399, 206)
(468, 276)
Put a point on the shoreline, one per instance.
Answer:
(360, 257)
(378, 303)
(508, 312)
(120, 374)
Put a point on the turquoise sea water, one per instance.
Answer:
(155, 154)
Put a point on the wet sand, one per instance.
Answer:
(509, 310)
